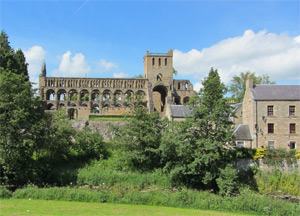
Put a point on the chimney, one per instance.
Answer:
(249, 83)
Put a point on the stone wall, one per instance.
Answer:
(100, 126)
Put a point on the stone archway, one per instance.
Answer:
(72, 113)
(159, 98)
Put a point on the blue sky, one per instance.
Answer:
(109, 38)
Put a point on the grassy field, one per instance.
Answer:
(42, 207)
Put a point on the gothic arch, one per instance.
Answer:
(50, 94)
(73, 95)
(84, 95)
(61, 95)
(95, 95)
(159, 98)
(50, 106)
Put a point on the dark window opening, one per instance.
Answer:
(270, 110)
(292, 128)
(271, 128)
(292, 145)
(292, 110)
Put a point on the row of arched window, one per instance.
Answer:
(96, 83)
(96, 95)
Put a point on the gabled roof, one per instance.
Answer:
(180, 111)
(276, 92)
(242, 132)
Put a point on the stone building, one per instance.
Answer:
(83, 97)
(269, 117)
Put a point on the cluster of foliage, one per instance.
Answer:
(276, 156)
(278, 182)
(33, 143)
(238, 86)
(195, 152)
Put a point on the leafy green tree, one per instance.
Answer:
(138, 141)
(89, 143)
(19, 112)
(193, 151)
(238, 84)
(10, 59)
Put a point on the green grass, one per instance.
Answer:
(42, 207)
(246, 202)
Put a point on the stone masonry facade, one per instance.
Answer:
(272, 113)
(82, 97)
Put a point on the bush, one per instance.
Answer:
(4, 193)
(96, 175)
(227, 182)
(276, 182)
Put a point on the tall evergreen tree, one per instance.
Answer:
(19, 114)
(195, 150)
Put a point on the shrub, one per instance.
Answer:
(276, 182)
(227, 182)
(259, 153)
(4, 193)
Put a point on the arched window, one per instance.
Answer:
(166, 61)
(186, 86)
(159, 62)
(153, 61)
(178, 86)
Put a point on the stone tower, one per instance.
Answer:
(158, 69)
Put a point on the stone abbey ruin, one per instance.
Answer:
(83, 97)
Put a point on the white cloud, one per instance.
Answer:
(105, 65)
(34, 57)
(262, 52)
(72, 67)
(197, 86)
(120, 75)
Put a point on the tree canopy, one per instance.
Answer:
(238, 84)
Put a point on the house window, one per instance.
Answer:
(291, 110)
(270, 110)
(271, 144)
(292, 128)
(166, 61)
(271, 128)
(159, 62)
(153, 61)
(292, 145)
(240, 144)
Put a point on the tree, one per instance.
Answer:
(175, 72)
(138, 141)
(238, 84)
(140, 76)
(19, 112)
(194, 151)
